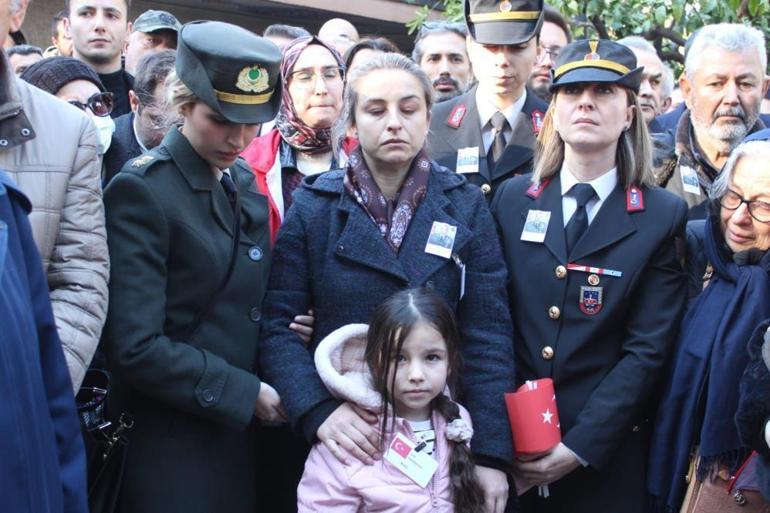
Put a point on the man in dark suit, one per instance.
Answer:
(143, 128)
(488, 134)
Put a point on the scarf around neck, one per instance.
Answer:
(701, 394)
(293, 130)
(392, 217)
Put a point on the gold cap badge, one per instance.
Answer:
(253, 79)
(594, 55)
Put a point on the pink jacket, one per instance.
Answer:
(330, 486)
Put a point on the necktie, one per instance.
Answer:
(499, 124)
(578, 223)
(227, 184)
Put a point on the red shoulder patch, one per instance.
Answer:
(536, 189)
(634, 199)
(457, 115)
(537, 121)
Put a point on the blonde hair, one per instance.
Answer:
(633, 156)
(177, 93)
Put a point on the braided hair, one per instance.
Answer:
(391, 324)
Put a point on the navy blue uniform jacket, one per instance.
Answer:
(445, 139)
(605, 366)
(42, 460)
(330, 256)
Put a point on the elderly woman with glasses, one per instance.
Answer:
(312, 73)
(695, 427)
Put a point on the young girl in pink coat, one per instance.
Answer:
(403, 361)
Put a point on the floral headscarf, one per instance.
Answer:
(293, 130)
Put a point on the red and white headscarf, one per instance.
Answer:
(293, 130)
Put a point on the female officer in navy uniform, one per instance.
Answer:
(190, 250)
(596, 285)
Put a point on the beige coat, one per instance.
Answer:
(49, 149)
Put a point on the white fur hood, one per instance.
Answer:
(339, 359)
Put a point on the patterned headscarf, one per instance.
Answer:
(293, 130)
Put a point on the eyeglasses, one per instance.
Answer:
(551, 51)
(759, 210)
(100, 104)
(307, 77)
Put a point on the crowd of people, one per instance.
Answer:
(312, 267)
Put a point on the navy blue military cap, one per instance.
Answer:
(230, 69)
(506, 22)
(596, 60)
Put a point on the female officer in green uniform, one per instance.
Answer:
(190, 249)
(595, 283)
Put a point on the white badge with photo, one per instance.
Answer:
(690, 182)
(418, 466)
(441, 239)
(536, 226)
(468, 160)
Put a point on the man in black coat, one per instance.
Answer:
(144, 127)
(488, 134)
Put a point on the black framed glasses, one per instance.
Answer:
(101, 104)
(759, 210)
(551, 51)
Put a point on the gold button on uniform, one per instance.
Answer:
(561, 272)
(547, 353)
(554, 312)
(486, 189)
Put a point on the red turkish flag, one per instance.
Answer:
(534, 417)
(400, 448)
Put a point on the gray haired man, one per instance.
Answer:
(723, 84)
(657, 78)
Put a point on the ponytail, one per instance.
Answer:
(467, 494)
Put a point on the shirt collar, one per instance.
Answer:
(487, 109)
(603, 185)
(134, 121)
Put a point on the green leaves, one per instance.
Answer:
(643, 17)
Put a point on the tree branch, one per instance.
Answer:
(601, 28)
(659, 32)
(672, 56)
(743, 9)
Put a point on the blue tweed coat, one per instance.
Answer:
(330, 256)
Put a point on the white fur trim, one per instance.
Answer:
(347, 379)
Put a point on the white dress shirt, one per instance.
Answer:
(603, 186)
(487, 110)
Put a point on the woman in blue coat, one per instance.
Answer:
(42, 460)
(355, 236)
(596, 286)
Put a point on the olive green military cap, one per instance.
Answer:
(230, 69)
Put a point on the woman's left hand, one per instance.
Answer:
(303, 326)
(495, 485)
(554, 465)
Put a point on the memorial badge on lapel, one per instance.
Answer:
(591, 300)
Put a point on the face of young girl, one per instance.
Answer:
(421, 371)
